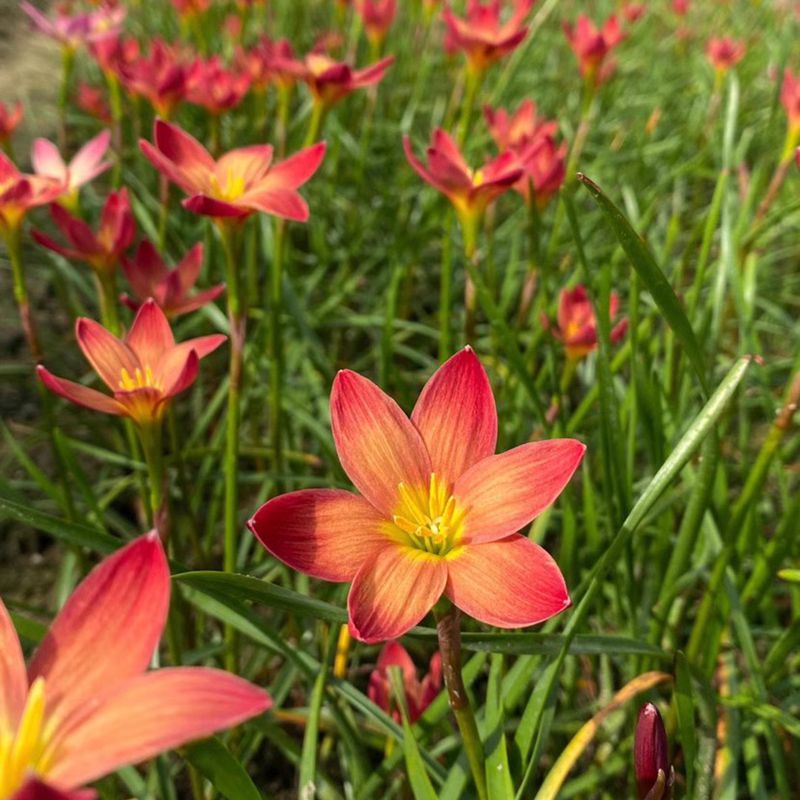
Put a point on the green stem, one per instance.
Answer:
(67, 65)
(469, 229)
(276, 351)
(446, 290)
(107, 293)
(318, 112)
(281, 132)
(115, 104)
(448, 630)
(151, 439)
(531, 282)
(163, 211)
(473, 82)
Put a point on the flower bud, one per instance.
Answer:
(650, 756)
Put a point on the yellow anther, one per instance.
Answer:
(139, 380)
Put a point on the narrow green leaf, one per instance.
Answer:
(684, 711)
(498, 771)
(215, 762)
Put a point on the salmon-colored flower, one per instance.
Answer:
(149, 276)
(419, 693)
(438, 512)
(269, 62)
(92, 100)
(470, 191)
(114, 53)
(592, 47)
(482, 35)
(86, 705)
(577, 325)
(217, 89)
(160, 77)
(101, 251)
(10, 118)
(74, 30)
(85, 165)
(790, 98)
(680, 7)
(633, 12)
(144, 371)
(377, 17)
(20, 192)
(240, 182)
(191, 8)
(533, 141)
(331, 81)
(724, 53)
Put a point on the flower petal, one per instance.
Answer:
(185, 152)
(78, 394)
(509, 583)
(393, 592)
(35, 789)
(108, 629)
(107, 354)
(88, 161)
(456, 416)
(150, 336)
(149, 714)
(279, 201)
(503, 493)
(249, 164)
(325, 533)
(173, 362)
(13, 678)
(184, 378)
(377, 444)
(47, 161)
(298, 168)
(211, 207)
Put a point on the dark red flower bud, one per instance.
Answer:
(650, 756)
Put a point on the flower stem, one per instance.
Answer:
(448, 629)
(446, 290)
(318, 111)
(115, 104)
(150, 437)
(107, 292)
(469, 228)
(473, 83)
(282, 123)
(67, 64)
(276, 351)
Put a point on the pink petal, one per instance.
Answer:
(183, 150)
(13, 678)
(377, 444)
(150, 336)
(198, 300)
(78, 394)
(190, 183)
(152, 713)
(183, 379)
(88, 161)
(174, 361)
(393, 591)
(108, 629)
(45, 241)
(248, 163)
(34, 789)
(505, 492)
(278, 201)
(107, 354)
(325, 533)
(456, 416)
(188, 271)
(47, 161)
(211, 207)
(509, 583)
(297, 169)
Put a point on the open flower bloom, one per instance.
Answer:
(74, 30)
(724, 53)
(533, 140)
(331, 81)
(20, 192)
(377, 17)
(269, 62)
(482, 35)
(101, 251)
(85, 165)
(593, 45)
(10, 118)
(160, 77)
(470, 191)
(210, 85)
(86, 705)
(149, 276)
(438, 511)
(577, 325)
(790, 99)
(92, 100)
(114, 52)
(419, 693)
(240, 182)
(651, 756)
(144, 371)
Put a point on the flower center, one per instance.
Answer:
(430, 516)
(139, 380)
(28, 749)
(229, 189)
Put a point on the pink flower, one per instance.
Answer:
(577, 325)
(160, 77)
(210, 85)
(331, 81)
(85, 165)
(87, 705)
(377, 17)
(592, 47)
(724, 53)
(10, 118)
(78, 29)
(150, 277)
(790, 98)
(20, 192)
(419, 694)
(92, 101)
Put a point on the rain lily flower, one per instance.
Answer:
(149, 276)
(532, 139)
(790, 99)
(419, 694)
(481, 34)
(240, 182)
(651, 757)
(633, 12)
(74, 30)
(87, 704)
(377, 17)
(438, 511)
(114, 52)
(470, 191)
(270, 62)
(191, 8)
(85, 165)
(101, 251)
(680, 7)
(144, 371)
(724, 53)
(592, 47)
(331, 81)
(10, 118)
(19, 193)
(160, 77)
(92, 101)
(210, 85)
(577, 325)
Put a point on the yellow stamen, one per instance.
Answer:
(139, 380)
(232, 187)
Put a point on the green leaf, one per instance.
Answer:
(214, 761)
(498, 771)
(653, 278)
(684, 710)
